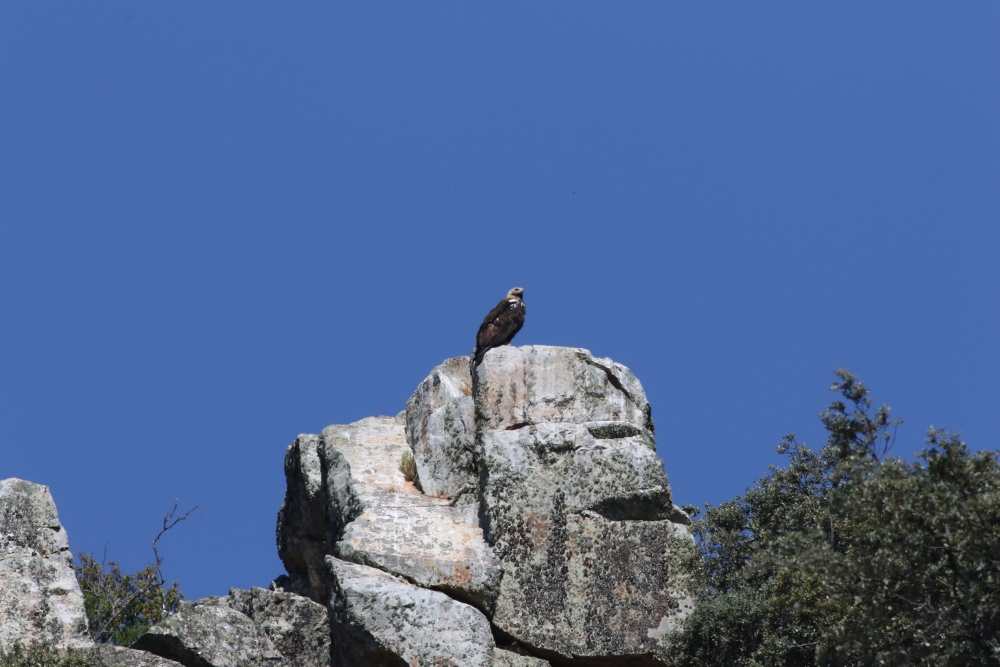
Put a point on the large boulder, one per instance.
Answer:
(298, 627)
(576, 504)
(441, 429)
(208, 633)
(40, 599)
(379, 620)
(373, 516)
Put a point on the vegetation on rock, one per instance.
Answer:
(408, 466)
(121, 607)
(849, 556)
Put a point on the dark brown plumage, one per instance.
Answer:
(501, 325)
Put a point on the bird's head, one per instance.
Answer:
(517, 292)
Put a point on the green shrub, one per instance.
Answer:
(408, 466)
(121, 607)
(850, 557)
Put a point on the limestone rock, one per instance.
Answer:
(297, 626)
(373, 516)
(504, 658)
(441, 429)
(577, 507)
(380, 620)
(534, 384)
(40, 599)
(208, 633)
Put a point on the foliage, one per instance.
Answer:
(850, 557)
(44, 655)
(408, 466)
(121, 607)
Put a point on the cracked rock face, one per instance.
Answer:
(297, 626)
(380, 620)
(208, 633)
(40, 599)
(576, 505)
(441, 429)
(373, 516)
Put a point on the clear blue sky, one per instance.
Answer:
(224, 224)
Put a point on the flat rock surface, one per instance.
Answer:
(441, 429)
(399, 529)
(535, 384)
(297, 626)
(40, 599)
(208, 633)
(380, 620)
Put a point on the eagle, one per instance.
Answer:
(500, 326)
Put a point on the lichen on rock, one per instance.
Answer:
(40, 598)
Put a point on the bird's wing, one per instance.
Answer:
(495, 326)
(501, 307)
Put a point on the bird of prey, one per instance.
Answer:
(500, 326)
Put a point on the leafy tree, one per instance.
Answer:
(121, 607)
(848, 556)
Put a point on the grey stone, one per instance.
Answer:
(441, 429)
(504, 658)
(297, 626)
(109, 655)
(534, 384)
(577, 507)
(40, 599)
(400, 530)
(302, 529)
(380, 620)
(208, 633)
(371, 515)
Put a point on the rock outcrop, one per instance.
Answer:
(542, 503)
(577, 506)
(40, 599)
(209, 633)
(297, 626)
(539, 529)
(378, 619)
(441, 429)
(373, 516)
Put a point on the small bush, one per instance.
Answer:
(408, 466)
(121, 607)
